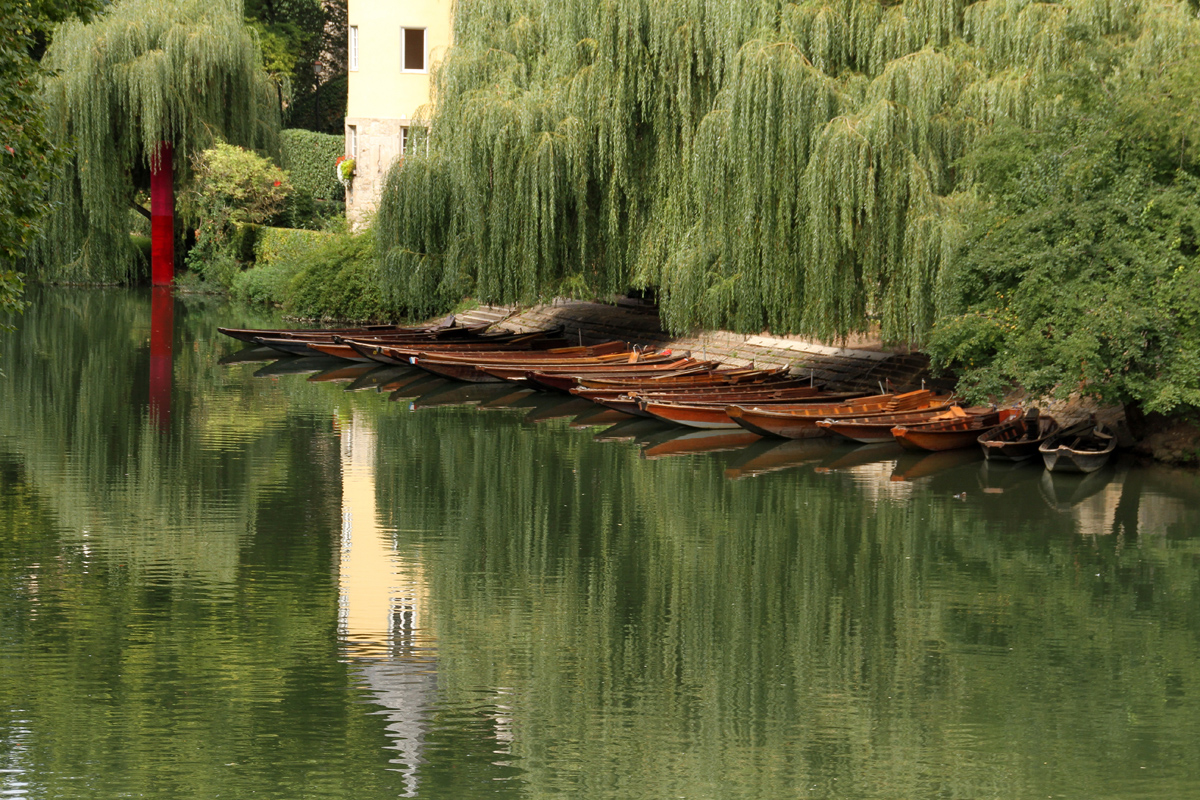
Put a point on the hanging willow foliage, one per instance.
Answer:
(764, 164)
(143, 73)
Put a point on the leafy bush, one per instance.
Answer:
(232, 187)
(339, 279)
(1083, 272)
(317, 275)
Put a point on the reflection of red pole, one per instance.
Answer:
(162, 332)
(162, 217)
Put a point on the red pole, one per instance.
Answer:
(162, 217)
(162, 334)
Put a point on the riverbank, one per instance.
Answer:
(862, 364)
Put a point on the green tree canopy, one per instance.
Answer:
(142, 73)
(1082, 273)
(791, 165)
(27, 157)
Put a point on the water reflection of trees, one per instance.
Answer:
(605, 624)
(169, 598)
(794, 630)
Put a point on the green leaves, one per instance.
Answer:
(1082, 276)
(140, 74)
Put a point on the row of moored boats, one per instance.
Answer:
(700, 393)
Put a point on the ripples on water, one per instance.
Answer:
(308, 581)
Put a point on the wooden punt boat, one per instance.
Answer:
(551, 379)
(369, 349)
(701, 392)
(1019, 438)
(248, 335)
(709, 415)
(1080, 448)
(397, 353)
(637, 374)
(467, 369)
(877, 428)
(720, 397)
(800, 421)
(713, 377)
(534, 357)
(293, 343)
(959, 431)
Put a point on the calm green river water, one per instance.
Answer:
(243, 579)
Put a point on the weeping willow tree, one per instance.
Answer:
(142, 75)
(795, 166)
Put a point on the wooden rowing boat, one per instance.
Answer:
(959, 427)
(877, 428)
(248, 335)
(713, 415)
(547, 377)
(1080, 448)
(564, 382)
(713, 377)
(800, 421)
(706, 393)
(467, 368)
(1019, 438)
(397, 353)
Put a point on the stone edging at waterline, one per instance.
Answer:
(842, 368)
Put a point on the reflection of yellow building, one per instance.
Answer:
(392, 47)
(381, 597)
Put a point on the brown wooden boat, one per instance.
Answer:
(636, 374)
(800, 421)
(1019, 438)
(714, 414)
(538, 377)
(466, 368)
(961, 430)
(294, 343)
(701, 392)
(249, 335)
(1080, 448)
(877, 428)
(713, 377)
(718, 395)
(398, 353)
(533, 358)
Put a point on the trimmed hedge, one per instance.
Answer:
(309, 159)
(317, 275)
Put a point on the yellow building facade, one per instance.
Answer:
(393, 44)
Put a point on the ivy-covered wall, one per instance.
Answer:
(309, 158)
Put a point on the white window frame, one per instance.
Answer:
(403, 140)
(424, 49)
(352, 55)
(352, 140)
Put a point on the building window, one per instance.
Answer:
(352, 140)
(412, 49)
(403, 141)
(353, 55)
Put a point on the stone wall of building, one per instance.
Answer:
(378, 145)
